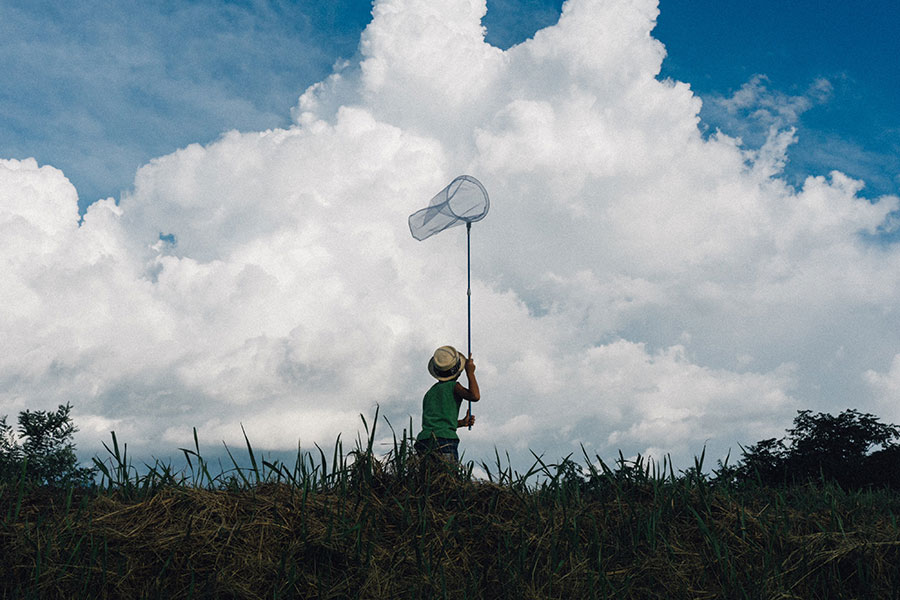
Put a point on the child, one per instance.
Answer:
(440, 406)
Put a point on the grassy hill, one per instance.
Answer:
(357, 526)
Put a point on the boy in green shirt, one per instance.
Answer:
(440, 406)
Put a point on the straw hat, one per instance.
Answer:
(446, 364)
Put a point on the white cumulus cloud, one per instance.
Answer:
(636, 285)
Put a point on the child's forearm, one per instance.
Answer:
(473, 388)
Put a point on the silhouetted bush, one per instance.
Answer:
(825, 447)
(43, 452)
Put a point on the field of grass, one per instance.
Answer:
(358, 526)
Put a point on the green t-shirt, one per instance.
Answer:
(440, 409)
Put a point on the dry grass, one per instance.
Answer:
(401, 528)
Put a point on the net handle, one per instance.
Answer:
(469, 295)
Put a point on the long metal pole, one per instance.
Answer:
(469, 291)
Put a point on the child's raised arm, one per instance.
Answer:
(472, 392)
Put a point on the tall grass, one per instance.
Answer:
(358, 525)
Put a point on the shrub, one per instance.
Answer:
(823, 446)
(10, 453)
(43, 450)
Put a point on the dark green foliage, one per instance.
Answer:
(43, 452)
(10, 453)
(884, 466)
(825, 447)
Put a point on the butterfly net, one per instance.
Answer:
(464, 200)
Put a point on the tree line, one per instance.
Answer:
(852, 449)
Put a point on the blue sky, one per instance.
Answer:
(718, 46)
(99, 88)
(654, 276)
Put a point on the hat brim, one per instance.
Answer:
(433, 369)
